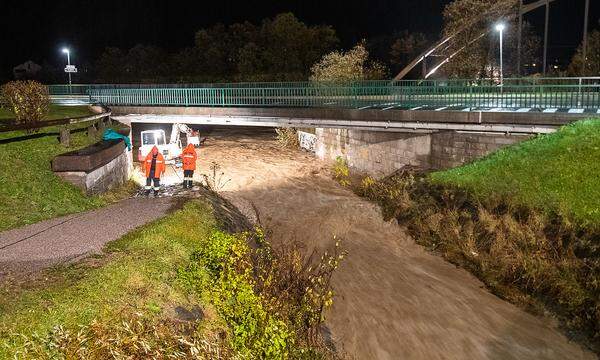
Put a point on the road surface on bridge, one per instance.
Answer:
(394, 300)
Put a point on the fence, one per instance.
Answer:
(579, 93)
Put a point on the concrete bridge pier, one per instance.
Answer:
(381, 153)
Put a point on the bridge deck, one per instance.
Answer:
(366, 119)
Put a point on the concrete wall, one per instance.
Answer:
(450, 149)
(381, 153)
(104, 178)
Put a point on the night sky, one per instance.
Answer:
(37, 30)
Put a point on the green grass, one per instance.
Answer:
(559, 171)
(138, 274)
(29, 190)
(56, 112)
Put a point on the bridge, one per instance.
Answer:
(434, 123)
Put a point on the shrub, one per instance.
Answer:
(272, 299)
(341, 171)
(288, 137)
(215, 181)
(28, 100)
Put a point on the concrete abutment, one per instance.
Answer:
(381, 153)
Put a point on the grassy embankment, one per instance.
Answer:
(29, 190)
(525, 220)
(177, 288)
(56, 112)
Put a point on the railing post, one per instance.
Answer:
(65, 136)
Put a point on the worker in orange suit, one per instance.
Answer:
(189, 157)
(154, 165)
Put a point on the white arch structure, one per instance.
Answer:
(524, 9)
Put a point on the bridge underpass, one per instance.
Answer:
(378, 126)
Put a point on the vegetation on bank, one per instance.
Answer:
(177, 288)
(524, 220)
(556, 172)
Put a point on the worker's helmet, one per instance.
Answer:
(154, 150)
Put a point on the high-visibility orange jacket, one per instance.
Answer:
(160, 164)
(188, 157)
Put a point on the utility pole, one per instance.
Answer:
(519, 38)
(545, 63)
(585, 32)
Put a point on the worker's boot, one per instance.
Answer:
(147, 193)
(155, 193)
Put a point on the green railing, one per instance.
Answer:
(543, 93)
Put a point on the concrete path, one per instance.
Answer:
(33, 247)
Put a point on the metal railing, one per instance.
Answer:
(572, 93)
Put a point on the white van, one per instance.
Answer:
(151, 138)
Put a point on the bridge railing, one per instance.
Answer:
(579, 93)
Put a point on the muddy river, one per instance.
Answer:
(394, 300)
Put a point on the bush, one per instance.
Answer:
(288, 137)
(272, 299)
(27, 100)
(341, 171)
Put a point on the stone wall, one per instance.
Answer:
(381, 153)
(374, 152)
(450, 149)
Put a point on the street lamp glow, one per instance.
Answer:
(66, 51)
(500, 28)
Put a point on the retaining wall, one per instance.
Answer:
(113, 171)
(381, 153)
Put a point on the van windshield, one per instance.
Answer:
(153, 138)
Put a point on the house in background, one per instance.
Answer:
(27, 70)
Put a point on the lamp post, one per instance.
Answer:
(500, 28)
(66, 51)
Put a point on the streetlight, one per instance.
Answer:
(500, 28)
(66, 51)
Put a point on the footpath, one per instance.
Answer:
(69, 238)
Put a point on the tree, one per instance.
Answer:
(110, 65)
(406, 47)
(285, 49)
(592, 65)
(478, 16)
(352, 65)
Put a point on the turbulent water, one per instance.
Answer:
(394, 300)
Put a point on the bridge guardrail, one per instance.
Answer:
(579, 93)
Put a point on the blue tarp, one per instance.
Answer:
(110, 134)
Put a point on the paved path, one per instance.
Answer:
(68, 238)
(394, 300)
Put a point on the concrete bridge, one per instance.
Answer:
(378, 126)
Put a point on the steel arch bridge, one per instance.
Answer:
(438, 49)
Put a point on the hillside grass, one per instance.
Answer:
(56, 112)
(29, 190)
(137, 275)
(558, 172)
